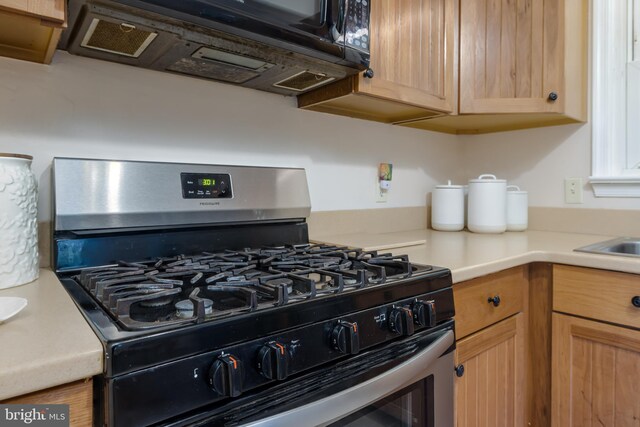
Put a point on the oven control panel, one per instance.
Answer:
(206, 186)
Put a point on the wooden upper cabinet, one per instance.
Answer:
(510, 52)
(30, 29)
(51, 10)
(413, 60)
(523, 63)
(409, 52)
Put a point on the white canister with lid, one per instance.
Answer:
(487, 204)
(18, 221)
(447, 207)
(517, 209)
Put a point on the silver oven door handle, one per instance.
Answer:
(339, 405)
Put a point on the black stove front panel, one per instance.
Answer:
(228, 372)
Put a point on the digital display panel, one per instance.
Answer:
(206, 186)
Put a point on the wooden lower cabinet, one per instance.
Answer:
(595, 374)
(492, 390)
(78, 395)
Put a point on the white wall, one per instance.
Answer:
(81, 107)
(538, 160)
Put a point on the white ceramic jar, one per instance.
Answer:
(18, 221)
(487, 204)
(517, 209)
(447, 207)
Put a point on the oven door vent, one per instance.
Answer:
(303, 81)
(119, 38)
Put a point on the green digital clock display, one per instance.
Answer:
(206, 185)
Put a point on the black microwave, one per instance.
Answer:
(331, 30)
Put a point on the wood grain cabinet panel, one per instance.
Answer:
(475, 311)
(602, 295)
(78, 395)
(510, 56)
(491, 393)
(30, 29)
(523, 64)
(596, 374)
(412, 57)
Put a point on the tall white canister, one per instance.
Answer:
(487, 204)
(517, 209)
(18, 221)
(447, 207)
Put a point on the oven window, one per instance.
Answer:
(410, 407)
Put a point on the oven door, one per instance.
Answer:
(407, 382)
(416, 392)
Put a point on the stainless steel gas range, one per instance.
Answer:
(215, 310)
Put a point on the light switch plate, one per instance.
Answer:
(573, 190)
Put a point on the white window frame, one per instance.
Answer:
(611, 52)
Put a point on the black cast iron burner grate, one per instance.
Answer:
(201, 287)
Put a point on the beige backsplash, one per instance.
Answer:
(327, 223)
(588, 221)
(331, 223)
(611, 222)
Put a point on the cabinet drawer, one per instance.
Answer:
(474, 311)
(596, 294)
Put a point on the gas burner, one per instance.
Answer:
(155, 303)
(184, 308)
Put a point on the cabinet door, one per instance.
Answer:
(412, 52)
(596, 374)
(491, 392)
(511, 56)
(49, 10)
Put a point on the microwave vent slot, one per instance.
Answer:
(120, 38)
(229, 58)
(303, 81)
(212, 70)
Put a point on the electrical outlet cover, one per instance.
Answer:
(380, 194)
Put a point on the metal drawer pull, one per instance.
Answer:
(495, 300)
(636, 301)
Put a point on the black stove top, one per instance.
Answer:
(203, 287)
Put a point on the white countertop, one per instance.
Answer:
(471, 255)
(48, 343)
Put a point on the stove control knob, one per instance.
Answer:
(273, 361)
(424, 313)
(401, 321)
(346, 337)
(225, 376)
